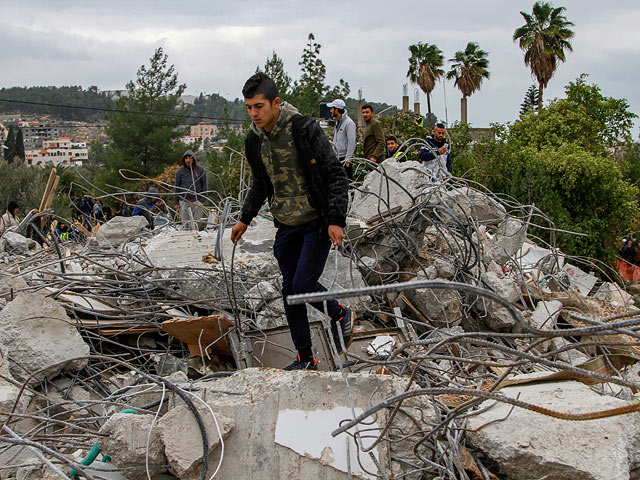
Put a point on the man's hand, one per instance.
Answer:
(336, 234)
(238, 230)
(443, 149)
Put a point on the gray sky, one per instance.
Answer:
(215, 45)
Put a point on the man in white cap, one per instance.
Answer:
(344, 135)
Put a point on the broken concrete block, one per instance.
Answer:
(8, 390)
(12, 242)
(283, 423)
(182, 439)
(446, 268)
(431, 272)
(545, 315)
(526, 444)
(507, 241)
(393, 187)
(341, 273)
(125, 440)
(118, 230)
(467, 202)
(442, 307)
(11, 286)
(494, 314)
(38, 333)
(260, 294)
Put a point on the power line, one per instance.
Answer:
(115, 110)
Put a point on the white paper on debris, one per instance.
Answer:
(309, 434)
(530, 255)
(580, 279)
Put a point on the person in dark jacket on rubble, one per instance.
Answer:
(145, 206)
(295, 168)
(189, 191)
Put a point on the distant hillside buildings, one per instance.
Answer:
(59, 151)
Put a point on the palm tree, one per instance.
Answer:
(424, 68)
(544, 38)
(469, 68)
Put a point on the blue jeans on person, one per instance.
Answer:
(302, 252)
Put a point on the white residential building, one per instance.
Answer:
(59, 151)
(204, 130)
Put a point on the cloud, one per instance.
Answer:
(216, 45)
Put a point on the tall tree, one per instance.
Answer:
(424, 68)
(310, 90)
(274, 67)
(530, 101)
(9, 146)
(544, 38)
(144, 128)
(19, 144)
(469, 67)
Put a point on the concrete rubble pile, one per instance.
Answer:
(479, 351)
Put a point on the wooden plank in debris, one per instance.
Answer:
(415, 310)
(89, 303)
(383, 215)
(47, 190)
(109, 327)
(201, 333)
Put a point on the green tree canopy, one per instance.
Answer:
(144, 128)
(544, 38)
(563, 161)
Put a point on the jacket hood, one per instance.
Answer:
(287, 111)
(187, 154)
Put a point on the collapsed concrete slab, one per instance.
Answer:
(393, 187)
(14, 243)
(466, 202)
(118, 230)
(527, 444)
(38, 333)
(283, 422)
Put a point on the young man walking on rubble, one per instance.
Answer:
(189, 191)
(296, 170)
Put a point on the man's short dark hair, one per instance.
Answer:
(260, 83)
(392, 137)
(367, 105)
(439, 125)
(341, 110)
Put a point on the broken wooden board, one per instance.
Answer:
(109, 327)
(201, 334)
